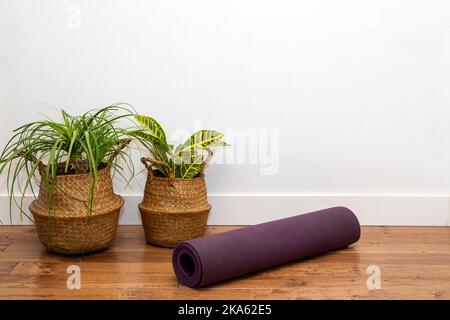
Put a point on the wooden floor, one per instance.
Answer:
(414, 263)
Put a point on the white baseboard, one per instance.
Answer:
(245, 209)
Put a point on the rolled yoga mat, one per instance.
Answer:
(207, 260)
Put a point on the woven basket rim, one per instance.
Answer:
(201, 176)
(80, 175)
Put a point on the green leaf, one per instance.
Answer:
(153, 127)
(151, 139)
(189, 157)
(201, 139)
(69, 152)
(189, 169)
(82, 142)
(218, 143)
(90, 153)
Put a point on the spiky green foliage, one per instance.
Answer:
(74, 145)
(188, 159)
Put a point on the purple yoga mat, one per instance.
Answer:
(207, 260)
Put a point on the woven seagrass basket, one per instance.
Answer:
(69, 228)
(173, 210)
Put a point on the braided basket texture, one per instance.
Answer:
(68, 228)
(174, 210)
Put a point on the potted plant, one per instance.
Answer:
(76, 210)
(175, 205)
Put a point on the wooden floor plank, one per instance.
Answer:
(414, 262)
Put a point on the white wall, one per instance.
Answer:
(359, 91)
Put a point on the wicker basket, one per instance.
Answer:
(173, 210)
(69, 229)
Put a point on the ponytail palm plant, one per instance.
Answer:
(74, 145)
(185, 161)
